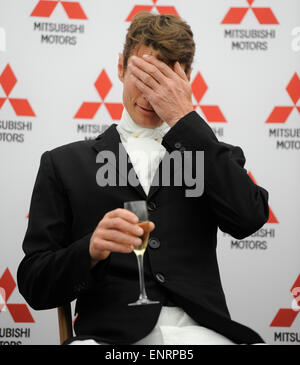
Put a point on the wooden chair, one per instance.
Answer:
(65, 322)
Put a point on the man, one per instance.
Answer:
(79, 239)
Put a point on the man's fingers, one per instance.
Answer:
(180, 72)
(151, 226)
(120, 237)
(124, 214)
(123, 225)
(162, 67)
(113, 247)
(165, 69)
(145, 77)
(144, 89)
(148, 68)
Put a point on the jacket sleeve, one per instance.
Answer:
(55, 269)
(238, 204)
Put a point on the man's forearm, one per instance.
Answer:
(240, 206)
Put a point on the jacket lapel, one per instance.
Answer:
(156, 182)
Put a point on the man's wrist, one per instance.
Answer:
(172, 122)
(94, 262)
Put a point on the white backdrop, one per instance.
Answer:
(51, 55)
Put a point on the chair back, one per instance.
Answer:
(65, 322)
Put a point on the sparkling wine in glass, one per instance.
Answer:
(139, 208)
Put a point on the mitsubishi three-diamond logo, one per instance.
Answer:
(212, 112)
(19, 312)
(264, 15)
(88, 109)
(280, 114)
(45, 8)
(161, 9)
(285, 317)
(8, 81)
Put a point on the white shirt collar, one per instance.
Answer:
(128, 128)
(143, 146)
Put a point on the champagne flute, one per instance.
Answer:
(139, 208)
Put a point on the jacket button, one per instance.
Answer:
(160, 278)
(177, 145)
(154, 242)
(151, 206)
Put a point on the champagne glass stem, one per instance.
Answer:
(140, 259)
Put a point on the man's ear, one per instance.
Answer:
(120, 67)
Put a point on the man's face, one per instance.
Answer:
(134, 101)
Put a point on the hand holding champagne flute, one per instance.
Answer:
(117, 231)
(139, 208)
